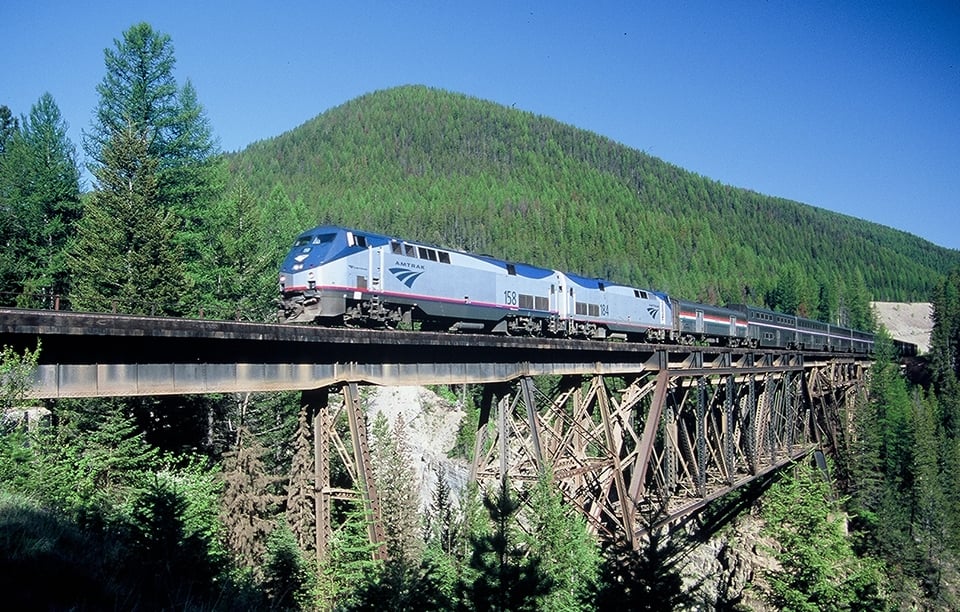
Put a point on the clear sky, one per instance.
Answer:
(852, 106)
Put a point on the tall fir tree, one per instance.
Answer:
(818, 568)
(502, 575)
(568, 553)
(397, 490)
(8, 127)
(241, 274)
(139, 90)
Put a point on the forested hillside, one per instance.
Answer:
(465, 173)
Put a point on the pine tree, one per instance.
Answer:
(39, 205)
(399, 502)
(350, 566)
(818, 568)
(569, 555)
(8, 127)
(139, 92)
(172, 561)
(503, 576)
(930, 524)
(138, 89)
(249, 505)
(301, 496)
(286, 574)
(125, 256)
(239, 274)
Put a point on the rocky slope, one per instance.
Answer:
(907, 321)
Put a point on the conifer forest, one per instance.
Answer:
(206, 502)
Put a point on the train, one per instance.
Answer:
(339, 276)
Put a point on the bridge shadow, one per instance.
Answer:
(655, 568)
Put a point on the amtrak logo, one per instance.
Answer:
(406, 275)
(654, 311)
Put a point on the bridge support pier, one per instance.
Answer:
(356, 460)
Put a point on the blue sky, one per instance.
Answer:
(849, 106)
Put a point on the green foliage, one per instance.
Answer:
(140, 94)
(16, 373)
(39, 206)
(397, 491)
(350, 565)
(818, 567)
(125, 257)
(503, 574)
(568, 553)
(286, 574)
(171, 561)
(645, 578)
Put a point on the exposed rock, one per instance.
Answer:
(431, 426)
(910, 322)
(727, 570)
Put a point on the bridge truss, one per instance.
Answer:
(630, 451)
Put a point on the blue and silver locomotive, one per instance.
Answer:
(338, 276)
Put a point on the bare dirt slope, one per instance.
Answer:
(907, 321)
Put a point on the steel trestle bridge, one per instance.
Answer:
(634, 435)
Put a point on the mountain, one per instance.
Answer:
(436, 166)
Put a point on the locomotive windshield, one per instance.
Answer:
(308, 241)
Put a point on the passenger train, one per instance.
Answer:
(338, 276)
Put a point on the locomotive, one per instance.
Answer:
(339, 276)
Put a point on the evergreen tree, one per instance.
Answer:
(818, 568)
(125, 256)
(301, 496)
(286, 574)
(139, 92)
(396, 488)
(249, 505)
(440, 525)
(643, 579)
(39, 205)
(172, 561)
(930, 518)
(241, 275)
(350, 567)
(569, 555)
(8, 127)
(945, 337)
(503, 575)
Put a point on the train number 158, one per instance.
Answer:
(510, 298)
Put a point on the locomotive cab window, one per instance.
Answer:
(444, 257)
(395, 248)
(356, 240)
(411, 250)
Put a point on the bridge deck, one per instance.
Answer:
(87, 355)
